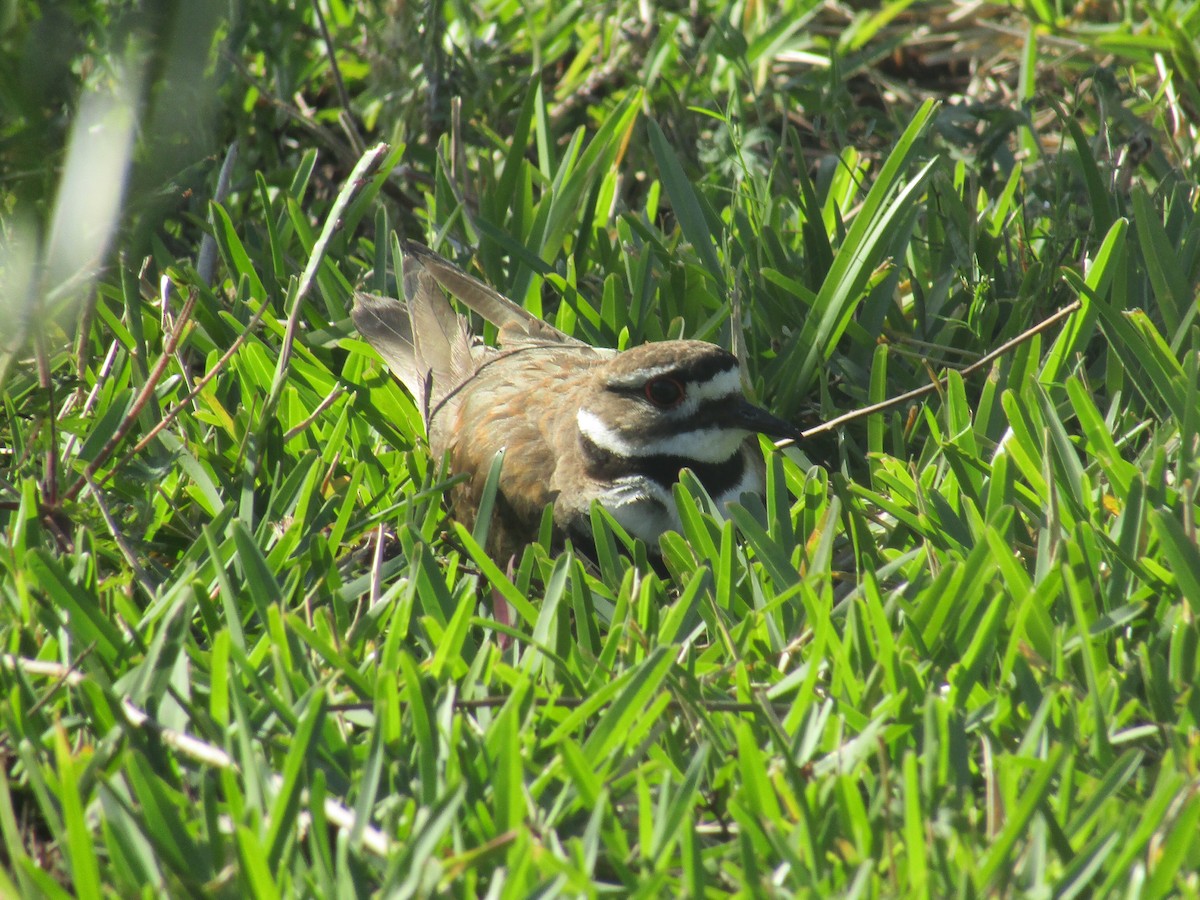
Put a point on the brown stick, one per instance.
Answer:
(936, 385)
(139, 404)
(208, 376)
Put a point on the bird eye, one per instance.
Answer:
(665, 393)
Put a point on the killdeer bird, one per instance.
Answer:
(576, 423)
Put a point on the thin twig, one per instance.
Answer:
(208, 376)
(139, 404)
(67, 676)
(937, 384)
(358, 178)
(321, 407)
(362, 171)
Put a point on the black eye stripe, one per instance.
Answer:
(687, 368)
(717, 477)
(706, 369)
(709, 414)
(689, 379)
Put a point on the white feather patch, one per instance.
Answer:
(646, 509)
(643, 507)
(704, 445)
(639, 377)
(723, 384)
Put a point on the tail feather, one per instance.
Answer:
(423, 341)
(441, 338)
(386, 324)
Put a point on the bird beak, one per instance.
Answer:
(754, 418)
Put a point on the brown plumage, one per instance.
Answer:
(576, 423)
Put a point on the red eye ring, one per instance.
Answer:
(664, 392)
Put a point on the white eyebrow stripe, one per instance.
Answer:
(724, 385)
(640, 376)
(702, 445)
(723, 382)
(727, 384)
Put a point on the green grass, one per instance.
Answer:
(953, 652)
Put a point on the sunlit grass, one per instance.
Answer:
(954, 648)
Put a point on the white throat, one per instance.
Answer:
(704, 445)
